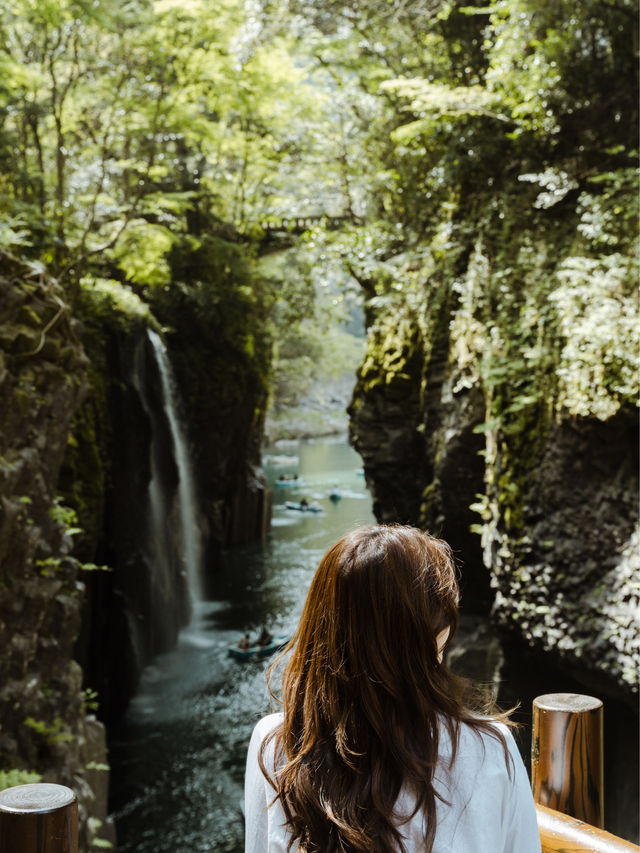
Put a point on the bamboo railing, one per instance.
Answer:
(567, 773)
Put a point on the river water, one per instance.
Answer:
(178, 761)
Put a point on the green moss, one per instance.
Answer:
(86, 462)
(393, 359)
(112, 306)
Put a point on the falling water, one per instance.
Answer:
(186, 488)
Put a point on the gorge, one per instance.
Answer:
(193, 210)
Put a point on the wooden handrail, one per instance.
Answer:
(567, 775)
(560, 833)
(43, 818)
(38, 818)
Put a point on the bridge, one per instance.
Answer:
(300, 224)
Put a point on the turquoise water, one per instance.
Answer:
(178, 762)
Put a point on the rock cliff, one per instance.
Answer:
(122, 448)
(44, 724)
(90, 588)
(538, 501)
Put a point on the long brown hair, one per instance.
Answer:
(364, 693)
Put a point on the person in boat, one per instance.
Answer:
(265, 637)
(304, 503)
(379, 747)
(245, 642)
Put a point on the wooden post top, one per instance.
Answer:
(575, 703)
(39, 798)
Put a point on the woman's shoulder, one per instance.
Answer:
(267, 724)
(264, 727)
(481, 742)
(489, 728)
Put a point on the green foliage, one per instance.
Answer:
(483, 161)
(65, 516)
(97, 765)
(48, 567)
(52, 733)
(121, 124)
(99, 843)
(12, 778)
(509, 186)
(90, 700)
(109, 304)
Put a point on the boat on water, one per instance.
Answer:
(256, 651)
(303, 507)
(289, 481)
(335, 495)
(282, 459)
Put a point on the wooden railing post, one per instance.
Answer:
(566, 755)
(40, 818)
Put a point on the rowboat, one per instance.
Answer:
(254, 652)
(312, 507)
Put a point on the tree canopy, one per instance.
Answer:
(488, 149)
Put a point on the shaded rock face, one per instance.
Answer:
(549, 546)
(384, 427)
(136, 609)
(573, 590)
(44, 726)
(456, 478)
(414, 430)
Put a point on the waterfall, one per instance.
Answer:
(186, 488)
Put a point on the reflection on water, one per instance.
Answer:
(178, 762)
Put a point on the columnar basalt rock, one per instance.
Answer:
(385, 425)
(43, 722)
(413, 423)
(565, 567)
(135, 611)
(541, 509)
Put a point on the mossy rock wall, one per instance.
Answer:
(216, 327)
(44, 725)
(216, 341)
(564, 558)
(496, 408)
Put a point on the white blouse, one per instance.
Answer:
(490, 811)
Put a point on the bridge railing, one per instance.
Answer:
(567, 781)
